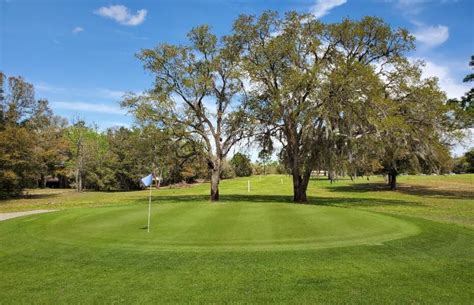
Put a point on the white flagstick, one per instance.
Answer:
(248, 186)
(149, 209)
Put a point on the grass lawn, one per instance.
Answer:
(354, 243)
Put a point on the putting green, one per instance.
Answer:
(216, 227)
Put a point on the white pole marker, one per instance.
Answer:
(248, 186)
(149, 210)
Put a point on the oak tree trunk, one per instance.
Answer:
(215, 179)
(43, 181)
(215, 185)
(78, 180)
(300, 185)
(331, 176)
(392, 179)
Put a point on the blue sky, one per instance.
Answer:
(79, 54)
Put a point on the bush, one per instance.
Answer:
(241, 165)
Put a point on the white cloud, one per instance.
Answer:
(416, 7)
(122, 14)
(431, 36)
(77, 29)
(138, 18)
(131, 35)
(411, 6)
(114, 94)
(322, 7)
(88, 107)
(47, 88)
(116, 124)
(102, 93)
(453, 87)
(248, 84)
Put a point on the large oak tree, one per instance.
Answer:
(315, 85)
(197, 92)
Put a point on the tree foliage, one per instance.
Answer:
(465, 163)
(241, 164)
(17, 141)
(463, 107)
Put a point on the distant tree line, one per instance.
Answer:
(41, 149)
(464, 164)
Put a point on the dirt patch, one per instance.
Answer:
(5, 216)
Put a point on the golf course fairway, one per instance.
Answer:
(216, 227)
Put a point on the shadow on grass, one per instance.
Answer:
(322, 201)
(27, 195)
(37, 196)
(416, 190)
(325, 178)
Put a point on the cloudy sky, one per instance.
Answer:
(79, 54)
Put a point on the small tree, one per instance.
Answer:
(415, 123)
(242, 165)
(51, 148)
(80, 138)
(469, 159)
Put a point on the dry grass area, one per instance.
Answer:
(448, 199)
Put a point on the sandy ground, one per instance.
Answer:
(5, 216)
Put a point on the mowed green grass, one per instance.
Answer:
(354, 243)
(216, 227)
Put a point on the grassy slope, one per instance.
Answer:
(435, 266)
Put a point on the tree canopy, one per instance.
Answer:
(242, 165)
